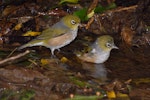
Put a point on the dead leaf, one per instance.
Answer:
(127, 35)
(111, 94)
(8, 10)
(18, 26)
(31, 33)
(64, 59)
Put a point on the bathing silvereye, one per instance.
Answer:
(57, 36)
(100, 51)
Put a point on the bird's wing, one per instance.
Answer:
(90, 54)
(88, 57)
(51, 33)
(56, 30)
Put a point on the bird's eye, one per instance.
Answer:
(73, 22)
(108, 45)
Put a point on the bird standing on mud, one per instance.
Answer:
(100, 51)
(59, 35)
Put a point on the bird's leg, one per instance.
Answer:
(52, 53)
(54, 57)
(58, 50)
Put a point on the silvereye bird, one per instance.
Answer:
(57, 36)
(100, 50)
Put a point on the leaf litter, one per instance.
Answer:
(40, 77)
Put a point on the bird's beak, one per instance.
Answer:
(81, 25)
(115, 47)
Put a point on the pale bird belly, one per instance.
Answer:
(61, 41)
(102, 58)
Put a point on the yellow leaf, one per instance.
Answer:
(18, 26)
(141, 80)
(31, 33)
(91, 14)
(64, 59)
(122, 95)
(111, 94)
(44, 61)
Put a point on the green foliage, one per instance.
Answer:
(101, 9)
(19, 95)
(79, 97)
(68, 1)
(111, 6)
(6, 94)
(78, 82)
(82, 13)
(27, 95)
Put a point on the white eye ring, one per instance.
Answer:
(73, 22)
(108, 45)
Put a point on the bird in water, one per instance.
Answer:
(100, 50)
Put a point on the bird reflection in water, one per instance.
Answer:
(97, 71)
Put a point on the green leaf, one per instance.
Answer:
(91, 14)
(99, 9)
(7, 94)
(79, 97)
(111, 6)
(78, 82)
(27, 95)
(68, 1)
(82, 14)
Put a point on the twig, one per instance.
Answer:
(89, 22)
(120, 9)
(92, 6)
(99, 23)
(106, 13)
(32, 62)
(12, 52)
(14, 57)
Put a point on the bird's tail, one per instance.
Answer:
(31, 44)
(24, 46)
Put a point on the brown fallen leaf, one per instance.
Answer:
(127, 35)
(8, 10)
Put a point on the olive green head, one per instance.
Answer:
(71, 21)
(106, 43)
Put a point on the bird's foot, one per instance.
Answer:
(55, 59)
(53, 56)
(58, 50)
